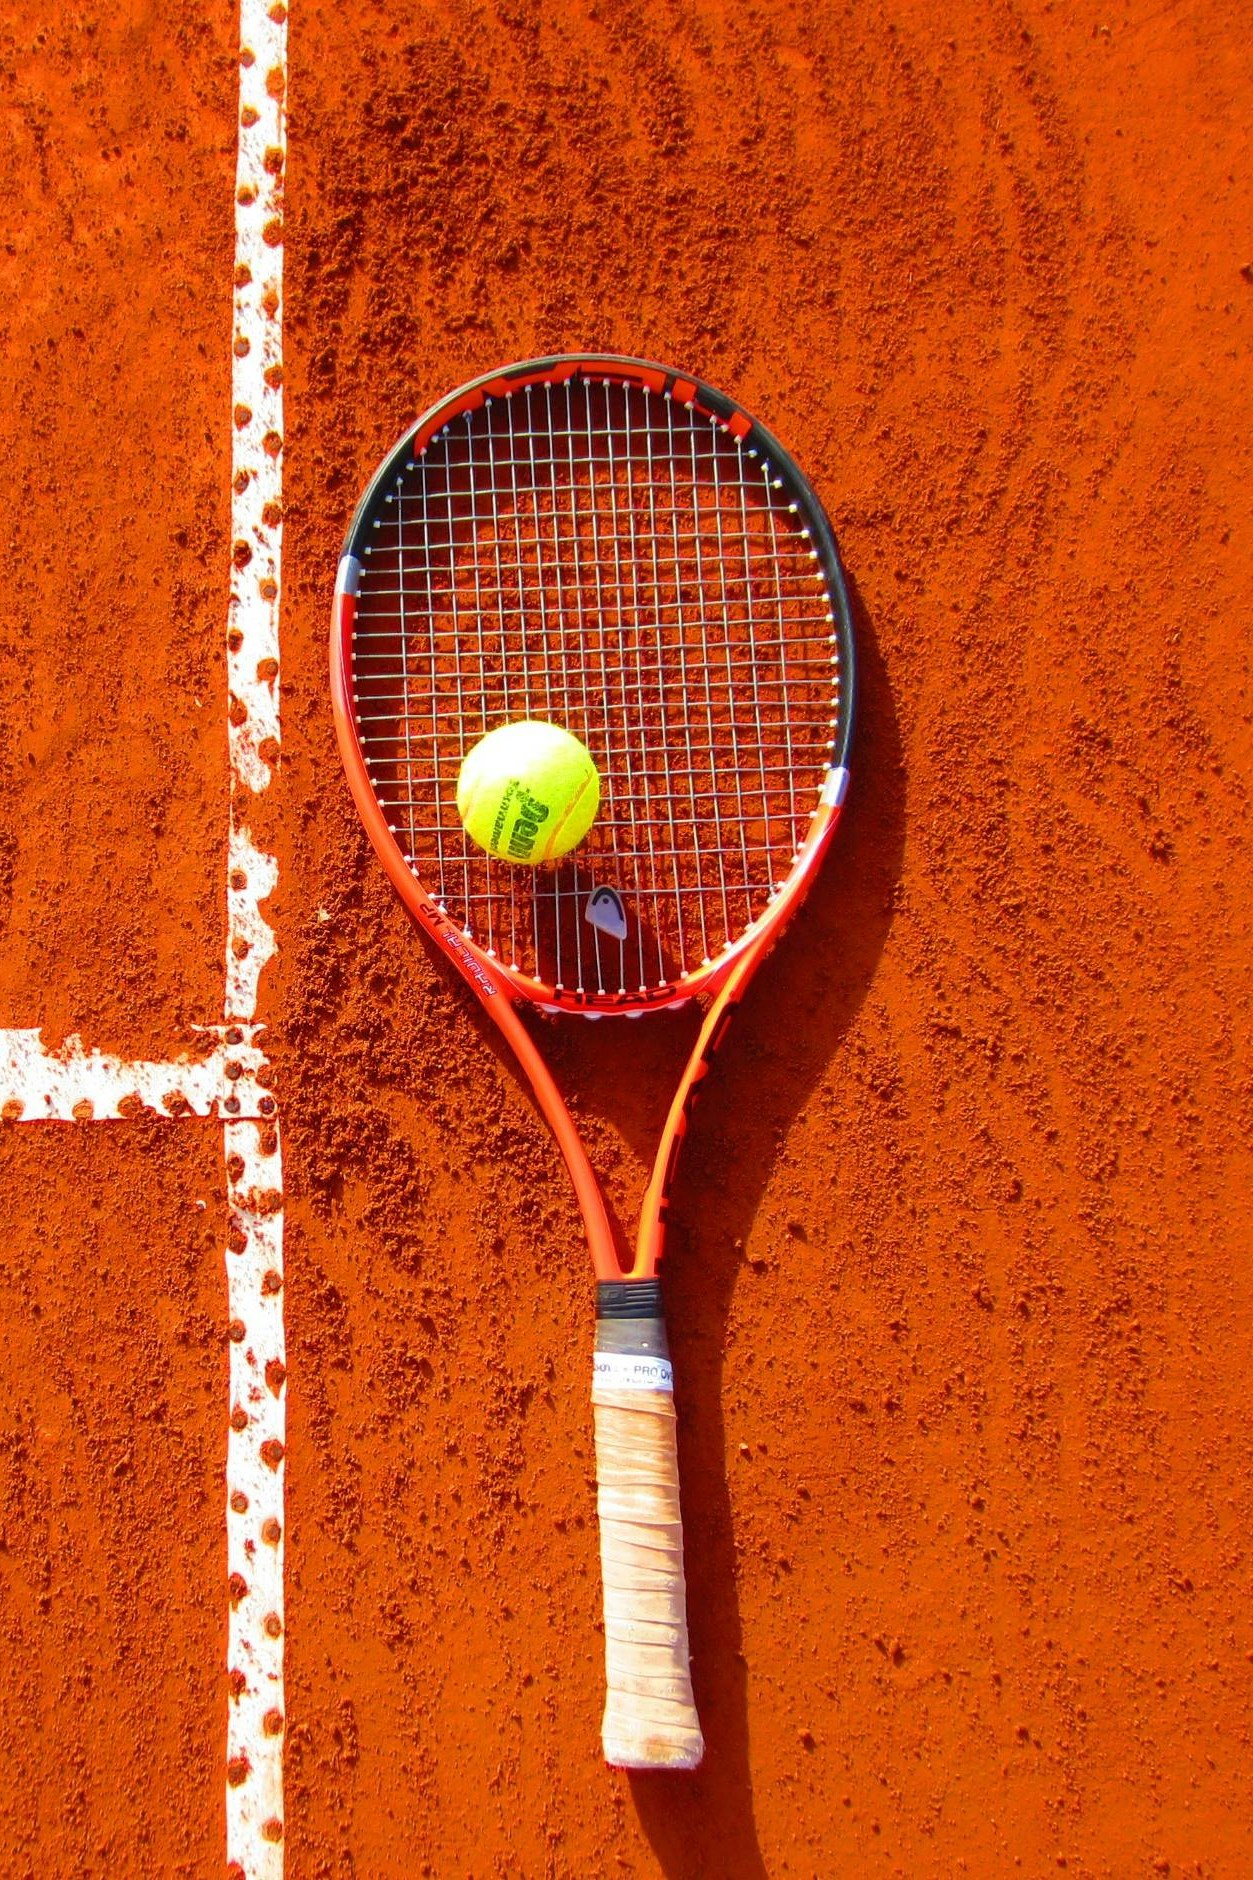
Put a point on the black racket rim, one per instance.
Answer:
(660, 377)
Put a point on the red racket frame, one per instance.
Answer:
(503, 993)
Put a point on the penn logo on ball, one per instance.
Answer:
(528, 792)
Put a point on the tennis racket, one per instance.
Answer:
(614, 547)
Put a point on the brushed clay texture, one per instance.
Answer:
(958, 1281)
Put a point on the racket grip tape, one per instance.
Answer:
(650, 1718)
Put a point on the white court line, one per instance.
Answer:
(76, 1086)
(256, 1442)
(256, 1436)
(225, 1080)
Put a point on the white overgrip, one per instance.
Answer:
(650, 1718)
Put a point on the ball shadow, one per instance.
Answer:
(791, 1025)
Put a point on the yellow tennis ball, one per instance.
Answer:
(528, 792)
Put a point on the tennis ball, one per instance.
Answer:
(528, 792)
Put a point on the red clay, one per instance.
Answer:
(111, 1461)
(958, 1286)
(116, 184)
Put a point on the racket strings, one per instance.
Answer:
(611, 560)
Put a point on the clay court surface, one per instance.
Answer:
(959, 1284)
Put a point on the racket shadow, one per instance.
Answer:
(790, 1028)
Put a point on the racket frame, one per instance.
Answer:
(503, 993)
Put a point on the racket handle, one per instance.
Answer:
(650, 1719)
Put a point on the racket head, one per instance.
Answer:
(617, 547)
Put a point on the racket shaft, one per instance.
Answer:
(650, 1718)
